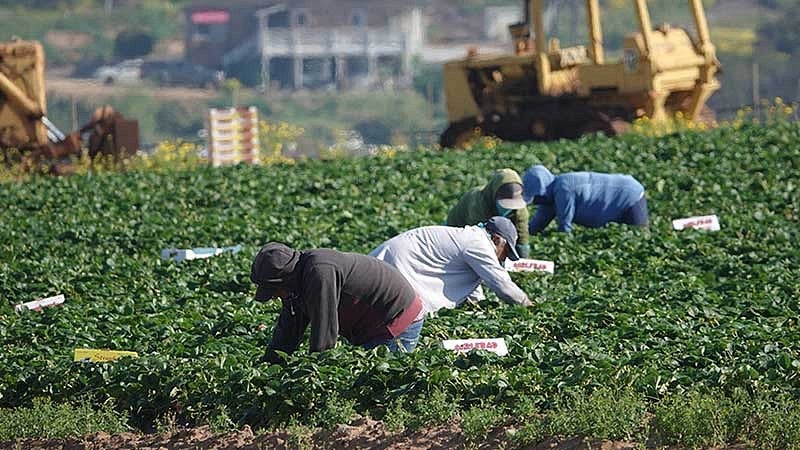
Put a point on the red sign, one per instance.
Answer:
(476, 345)
(496, 345)
(211, 16)
(530, 265)
(699, 223)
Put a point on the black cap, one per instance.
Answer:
(504, 228)
(509, 196)
(272, 268)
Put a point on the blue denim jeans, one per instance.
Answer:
(408, 339)
(637, 214)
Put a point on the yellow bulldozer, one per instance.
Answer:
(28, 137)
(544, 92)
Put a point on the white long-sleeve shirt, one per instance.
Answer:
(446, 264)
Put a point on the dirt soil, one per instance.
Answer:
(361, 434)
(83, 88)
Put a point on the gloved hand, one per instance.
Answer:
(524, 250)
(271, 357)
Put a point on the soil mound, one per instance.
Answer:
(361, 434)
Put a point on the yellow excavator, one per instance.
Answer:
(27, 134)
(544, 92)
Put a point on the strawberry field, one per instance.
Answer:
(635, 319)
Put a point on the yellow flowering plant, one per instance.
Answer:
(276, 138)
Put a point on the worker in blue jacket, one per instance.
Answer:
(587, 198)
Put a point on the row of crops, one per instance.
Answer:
(649, 313)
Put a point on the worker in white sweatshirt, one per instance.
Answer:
(445, 265)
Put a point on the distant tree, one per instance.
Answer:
(778, 4)
(374, 132)
(132, 44)
(782, 35)
(181, 119)
(428, 82)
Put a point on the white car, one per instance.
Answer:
(128, 71)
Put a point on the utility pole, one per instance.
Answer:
(796, 100)
(797, 95)
(74, 112)
(756, 93)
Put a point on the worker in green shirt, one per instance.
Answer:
(500, 196)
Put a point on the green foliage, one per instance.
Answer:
(604, 413)
(132, 44)
(246, 70)
(433, 409)
(179, 118)
(705, 419)
(477, 421)
(220, 421)
(774, 422)
(783, 34)
(531, 432)
(374, 132)
(300, 436)
(779, 4)
(47, 419)
(429, 83)
(383, 117)
(396, 417)
(698, 419)
(336, 410)
(656, 313)
(167, 423)
(158, 19)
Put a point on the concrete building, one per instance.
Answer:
(296, 44)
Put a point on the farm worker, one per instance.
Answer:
(338, 294)
(501, 196)
(590, 199)
(446, 265)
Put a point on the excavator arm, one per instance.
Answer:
(24, 125)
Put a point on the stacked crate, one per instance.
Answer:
(233, 136)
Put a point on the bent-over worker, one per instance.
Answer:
(500, 196)
(590, 199)
(445, 265)
(338, 294)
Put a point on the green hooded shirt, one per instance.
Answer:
(479, 204)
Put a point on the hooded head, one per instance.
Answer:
(504, 186)
(509, 196)
(273, 269)
(537, 181)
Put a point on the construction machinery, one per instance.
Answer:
(544, 92)
(28, 137)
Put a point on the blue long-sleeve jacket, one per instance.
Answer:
(587, 198)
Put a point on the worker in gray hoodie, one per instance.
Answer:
(590, 199)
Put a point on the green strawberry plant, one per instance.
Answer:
(655, 312)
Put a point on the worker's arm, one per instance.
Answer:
(520, 219)
(565, 209)
(456, 215)
(322, 290)
(543, 216)
(488, 268)
(288, 332)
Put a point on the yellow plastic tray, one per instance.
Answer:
(95, 355)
